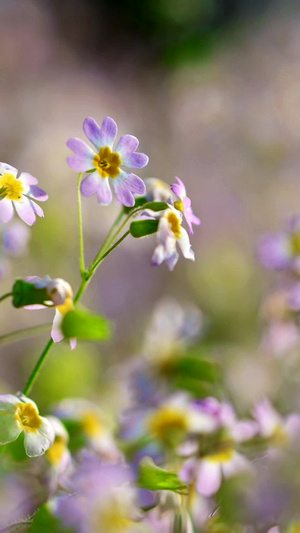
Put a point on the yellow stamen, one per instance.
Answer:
(223, 456)
(295, 243)
(13, 187)
(113, 519)
(174, 223)
(57, 450)
(27, 417)
(168, 421)
(91, 424)
(179, 205)
(107, 163)
(66, 307)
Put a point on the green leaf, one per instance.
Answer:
(84, 325)
(25, 293)
(139, 202)
(156, 206)
(141, 228)
(152, 477)
(195, 367)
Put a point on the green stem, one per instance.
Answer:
(107, 241)
(81, 247)
(37, 367)
(80, 292)
(95, 265)
(25, 332)
(6, 295)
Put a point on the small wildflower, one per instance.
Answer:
(107, 163)
(281, 251)
(169, 233)
(19, 193)
(61, 297)
(279, 430)
(184, 205)
(17, 414)
(157, 190)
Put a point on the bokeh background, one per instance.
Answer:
(212, 90)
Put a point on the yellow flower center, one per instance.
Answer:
(295, 243)
(27, 417)
(66, 307)
(57, 450)
(295, 528)
(223, 456)
(107, 163)
(113, 519)
(279, 436)
(168, 422)
(179, 205)
(91, 424)
(14, 187)
(174, 223)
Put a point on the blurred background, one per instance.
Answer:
(212, 90)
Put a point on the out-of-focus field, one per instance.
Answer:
(226, 120)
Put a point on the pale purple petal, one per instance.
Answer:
(25, 210)
(104, 136)
(94, 184)
(171, 260)
(4, 167)
(237, 465)
(158, 255)
(37, 209)
(126, 145)
(15, 238)
(38, 193)
(80, 164)
(179, 189)
(56, 332)
(275, 252)
(185, 245)
(73, 344)
(189, 470)
(126, 148)
(80, 148)
(126, 184)
(209, 477)
(6, 210)
(27, 179)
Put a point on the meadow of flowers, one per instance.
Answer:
(181, 455)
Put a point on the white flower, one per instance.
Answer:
(19, 414)
(170, 232)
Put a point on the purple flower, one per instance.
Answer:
(107, 163)
(18, 193)
(281, 251)
(184, 205)
(169, 233)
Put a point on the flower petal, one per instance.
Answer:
(80, 148)
(79, 163)
(158, 255)
(56, 332)
(38, 193)
(8, 402)
(104, 136)
(6, 210)
(4, 167)
(25, 210)
(209, 477)
(94, 184)
(36, 209)
(27, 179)
(126, 148)
(179, 189)
(9, 429)
(122, 190)
(185, 245)
(36, 443)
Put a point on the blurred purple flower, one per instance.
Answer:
(107, 164)
(281, 251)
(18, 193)
(184, 205)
